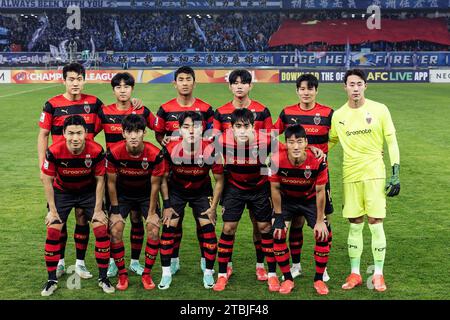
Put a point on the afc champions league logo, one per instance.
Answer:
(88, 161)
(144, 164)
(307, 172)
(87, 107)
(317, 119)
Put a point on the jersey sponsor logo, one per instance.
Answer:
(317, 119)
(285, 173)
(174, 116)
(65, 164)
(357, 132)
(229, 118)
(42, 118)
(132, 172)
(311, 130)
(123, 164)
(88, 161)
(76, 172)
(307, 172)
(87, 107)
(294, 120)
(65, 111)
(144, 164)
(45, 164)
(342, 122)
(368, 118)
(113, 120)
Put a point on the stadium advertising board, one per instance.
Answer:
(245, 59)
(336, 76)
(5, 76)
(364, 4)
(55, 76)
(440, 76)
(208, 76)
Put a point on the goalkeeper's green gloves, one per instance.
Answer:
(393, 186)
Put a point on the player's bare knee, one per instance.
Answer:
(356, 220)
(374, 220)
(80, 217)
(152, 231)
(229, 228)
(117, 231)
(264, 227)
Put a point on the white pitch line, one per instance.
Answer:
(27, 91)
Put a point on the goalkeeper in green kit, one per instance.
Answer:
(361, 126)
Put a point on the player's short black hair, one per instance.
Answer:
(186, 70)
(295, 130)
(244, 115)
(355, 72)
(310, 79)
(125, 76)
(195, 116)
(246, 77)
(74, 120)
(133, 122)
(74, 67)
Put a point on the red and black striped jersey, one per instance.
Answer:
(222, 117)
(317, 123)
(190, 172)
(245, 165)
(168, 114)
(74, 173)
(58, 108)
(134, 173)
(110, 120)
(297, 182)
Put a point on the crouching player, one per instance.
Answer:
(190, 161)
(73, 177)
(298, 182)
(134, 170)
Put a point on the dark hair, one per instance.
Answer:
(355, 72)
(244, 115)
(246, 77)
(295, 130)
(74, 120)
(186, 70)
(310, 79)
(125, 76)
(133, 122)
(195, 116)
(74, 67)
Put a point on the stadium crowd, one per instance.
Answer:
(172, 31)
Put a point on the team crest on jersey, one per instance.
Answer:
(200, 161)
(317, 119)
(87, 107)
(255, 151)
(42, 119)
(368, 118)
(88, 161)
(144, 164)
(254, 113)
(308, 172)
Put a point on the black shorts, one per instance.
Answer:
(65, 202)
(328, 200)
(199, 202)
(257, 201)
(140, 204)
(294, 208)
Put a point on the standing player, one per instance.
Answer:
(110, 120)
(73, 177)
(56, 110)
(245, 152)
(298, 182)
(240, 84)
(361, 125)
(131, 166)
(316, 120)
(167, 125)
(190, 161)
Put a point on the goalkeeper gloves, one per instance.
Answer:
(393, 187)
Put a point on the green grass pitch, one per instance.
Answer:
(417, 225)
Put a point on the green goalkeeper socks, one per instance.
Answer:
(355, 245)
(378, 246)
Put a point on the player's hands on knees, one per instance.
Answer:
(321, 231)
(278, 226)
(212, 215)
(137, 103)
(167, 216)
(100, 216)
(153, 219)
(318, 153)
(393, 186)
(51, 218)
